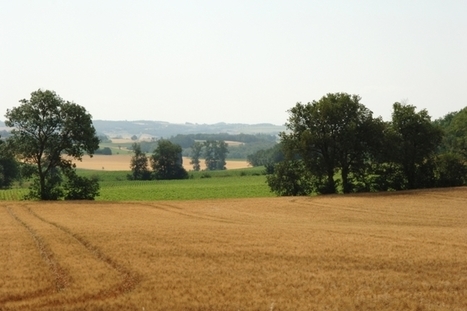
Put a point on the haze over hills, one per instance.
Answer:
(162, 129)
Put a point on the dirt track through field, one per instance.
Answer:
(397, 251)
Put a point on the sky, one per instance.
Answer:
(233, 61)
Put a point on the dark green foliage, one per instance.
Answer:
(147, 146)
(451, 170)
(290, 178)
(184, 141)
(338, 136)
(9, 167)
(215, 153)
(387, 177)
(48, 132)
(9, 171)
(249, 143)
(80, 188)
(242, 151)
(196, 150)
(139, 164)
(267, 157)
(334, 134)
(454, 125)
(104, 151)
(414, 139)
(50, 189)
(167, 161)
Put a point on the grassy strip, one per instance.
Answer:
(14, 194)
(243, 183)
(188, 189)
(122, 175)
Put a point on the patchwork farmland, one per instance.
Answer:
(389, 251)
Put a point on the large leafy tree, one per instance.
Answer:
(215, 153)
(335, 134)
(167, 161)
(196, 150)
(50, 133)
(414, 140)
(139, 164)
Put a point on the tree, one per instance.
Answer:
(334, 134)
(457, 132)
(134, 137)
(267, 158)
(167, 161)
(215, 153)
(290, 178)
(196, 150)
(415, 140)
(50, 132)
(139, 164)
(80, 188)
(9, 167)
(104, 151)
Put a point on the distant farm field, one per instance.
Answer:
(391, 251)
(121, 162)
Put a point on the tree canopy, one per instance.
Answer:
(167, 161)
(336, 145)
(215, 153)
(196, 149)
(50, 133)
(139, 164)
(455, 128)
(9, 167)
(331, 135)
(415, 140)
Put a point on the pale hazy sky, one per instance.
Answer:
(233, 61)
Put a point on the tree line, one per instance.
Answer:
(331, 145)
(336, 145)
(166, 160)
(250, 143)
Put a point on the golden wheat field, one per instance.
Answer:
(121, 162)
(395, 251)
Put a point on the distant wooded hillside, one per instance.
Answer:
(160, 129)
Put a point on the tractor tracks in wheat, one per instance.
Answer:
(81, 271)
(202, 215)
(61, 278)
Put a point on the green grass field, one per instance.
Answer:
(241, 183)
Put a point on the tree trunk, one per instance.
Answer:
(42, 186)
(331, 184)
(346, 187)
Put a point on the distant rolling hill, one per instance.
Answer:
(161, 129)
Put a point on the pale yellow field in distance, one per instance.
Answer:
(397, 251)
(121, 162)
